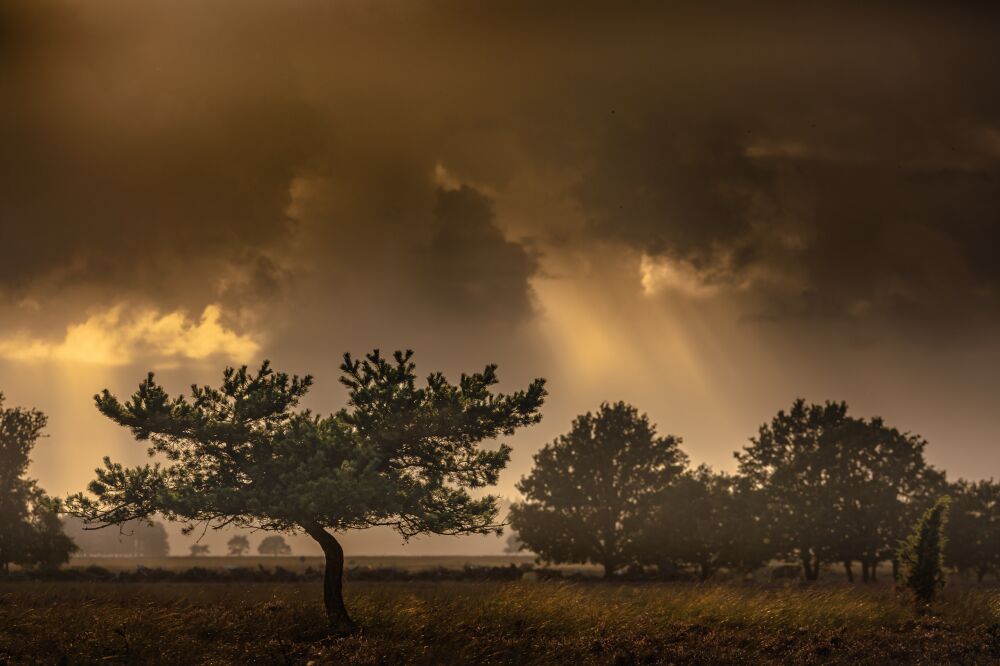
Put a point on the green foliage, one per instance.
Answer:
(274, 545)
(238, 545)
(973, 527)
(837, 488)
(921, 555)
(30, 529)
(592, 487)
(398, 455)
(707, 521)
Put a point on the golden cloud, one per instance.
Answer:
(119, 335)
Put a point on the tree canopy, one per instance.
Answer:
(591, 488)
(399, 454)
(837, 488)
(238, 545)
(707, 521)
(274, 545)
(30, 529)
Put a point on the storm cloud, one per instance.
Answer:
(677, 205)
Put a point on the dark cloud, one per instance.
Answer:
(821, 161)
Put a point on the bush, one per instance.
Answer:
(921, 555)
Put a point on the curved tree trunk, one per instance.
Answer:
(333, 580)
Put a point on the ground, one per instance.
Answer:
(493, 623)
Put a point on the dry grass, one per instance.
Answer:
(512, 623)
(297, 563)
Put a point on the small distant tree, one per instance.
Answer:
(238, 545)
(199, 550)
(274, 545)
(590, 489)
(30, 529)
(921, 555)
(514, 544)
(399, 455)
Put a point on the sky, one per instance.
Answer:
(705, 210)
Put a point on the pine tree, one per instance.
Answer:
(399, 455)
(921, 555)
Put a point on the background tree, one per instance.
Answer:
(921, 555)
(30, 529)
(877, 479)
(514, 544)
(590, 488)
(837, 488)
(274, 545)
(788, 463)
(135, 538)
(973, 528)
(199, 549)
(48, 545)
(707, 521)
(238, 545)
(399, 454)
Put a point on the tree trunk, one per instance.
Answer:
(810, 564)
(706, 571)
(609, 570)
(333, 580)
(848, 571)
(874, 567)
(895, 569)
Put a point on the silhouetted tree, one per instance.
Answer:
(786, 462)
(879, 483)
(398, 455)
(48, 546)
(973, 528)
(30, 529)
(274, 546)
(590, 488)
(134, 538)
(238, 545)
(708, 521)
(514, 544)
(837, 488)
(199, 549)
(921, 555)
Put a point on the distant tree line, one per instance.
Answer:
(135, 538)
(815, 486)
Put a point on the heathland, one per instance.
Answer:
(580, 621)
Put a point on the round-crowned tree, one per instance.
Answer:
(399, 454)
(591, 489)
(274, 545)
(238, 545)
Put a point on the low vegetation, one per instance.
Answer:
(494, 623)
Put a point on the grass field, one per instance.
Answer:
(492, 623)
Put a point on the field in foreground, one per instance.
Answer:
(490, 623)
